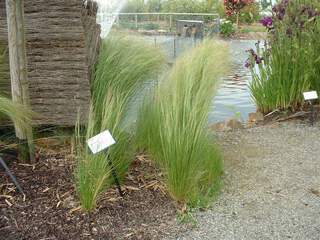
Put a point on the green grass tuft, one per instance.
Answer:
(17, 113)
(172, 124)
(123, 67)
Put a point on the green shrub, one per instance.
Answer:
(248, 14)
(172, 124)
(226, 28)
(128, 25)
(150, 26)
(123, 66)
(288, 64)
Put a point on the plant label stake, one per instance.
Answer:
(100, 143)
(14, 180)
(309, 97)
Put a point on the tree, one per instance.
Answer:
(234, 7)
(153, 6)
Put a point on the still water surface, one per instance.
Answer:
(233, 96)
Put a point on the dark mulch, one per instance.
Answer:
(51, 211)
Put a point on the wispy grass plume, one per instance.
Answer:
(172, 124)
(123, 67)
(17, 113)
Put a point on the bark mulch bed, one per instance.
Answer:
(50, 209)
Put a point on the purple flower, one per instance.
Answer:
(247, 64)
(267, 22)
(310, 12)
(280, 9)
(254, 59)
(258, 59)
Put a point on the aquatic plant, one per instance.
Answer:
(172, 124)
(288, 63)
(123, 66)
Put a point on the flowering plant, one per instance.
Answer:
(233, 7)
(288, 63)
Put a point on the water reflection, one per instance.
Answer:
(233, 97)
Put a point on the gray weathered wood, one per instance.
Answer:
(62, 41)
(18, 70)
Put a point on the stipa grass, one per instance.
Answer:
(172, 124)
(123, 67)
(17, 113)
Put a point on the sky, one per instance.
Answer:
(105, 8)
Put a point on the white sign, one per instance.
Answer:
(310, 95)
(101, 142)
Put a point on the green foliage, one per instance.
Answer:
(16, 112)
(172, 124)
(150, 26)
(227, 29)
(249, 14)
(291, 63)
(134, 6)
(123, 66)
(190, 6)
(153, 6)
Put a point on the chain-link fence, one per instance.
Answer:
(165, 22)
(172, 45)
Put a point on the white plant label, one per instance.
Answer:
(101, 142)
(310, 95)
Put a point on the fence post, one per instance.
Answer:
(18, 72)
(170, 23)
(174, 46)
(136, 20)
(118, 20)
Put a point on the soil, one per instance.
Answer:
(50, 209)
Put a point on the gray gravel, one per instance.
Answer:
(270, 187)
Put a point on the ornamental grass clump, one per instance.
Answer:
(288, 63)
(172, 124)
(123, 67)
(17, 113)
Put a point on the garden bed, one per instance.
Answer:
(50, 210)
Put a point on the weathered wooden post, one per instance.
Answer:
(18, 72)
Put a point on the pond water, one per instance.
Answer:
(233, 96)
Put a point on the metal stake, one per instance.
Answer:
(14, 180)
(114, 175)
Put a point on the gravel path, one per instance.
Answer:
(272, 186)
